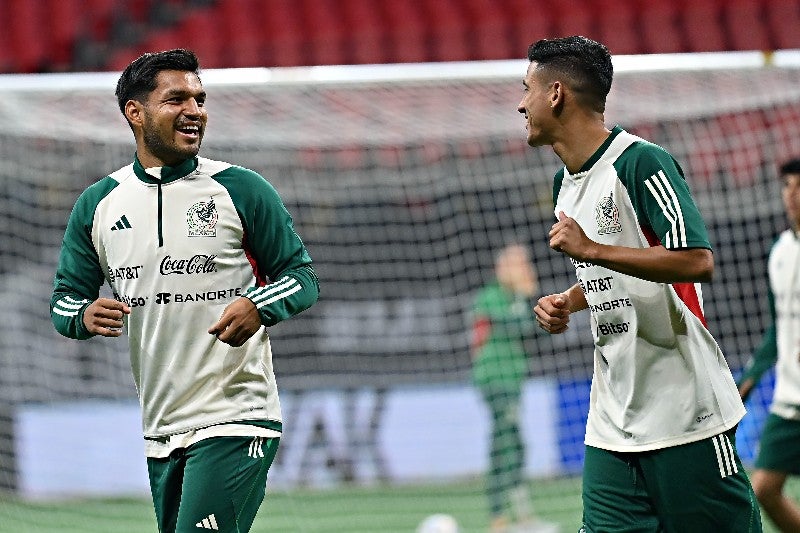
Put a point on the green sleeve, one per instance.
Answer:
(480, 307)
(78, 277)
(767, 353)
(661, 197)
(278, 253)
(558, 179)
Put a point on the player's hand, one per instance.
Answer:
(567, 236)
(239, 321)
(552, 313)
(104, 317)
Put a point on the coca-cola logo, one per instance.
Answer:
(197, 264)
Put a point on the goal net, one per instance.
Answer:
(404, 182)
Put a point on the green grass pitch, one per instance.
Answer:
(343, 509)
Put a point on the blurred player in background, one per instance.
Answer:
(502, 318)
(660, 437)
(779, 446)
(200, 255)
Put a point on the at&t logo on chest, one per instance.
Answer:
(201, 219)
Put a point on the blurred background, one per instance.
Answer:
(390, 129)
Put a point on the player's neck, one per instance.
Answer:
(579, 143)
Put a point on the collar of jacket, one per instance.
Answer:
(168, 174)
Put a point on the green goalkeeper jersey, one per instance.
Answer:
(659, 379)
(501, 360)
(178, 244)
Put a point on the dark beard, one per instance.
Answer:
(170, 155)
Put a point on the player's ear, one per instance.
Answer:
(556, 95)
(134, 112)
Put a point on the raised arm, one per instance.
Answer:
(655, 263)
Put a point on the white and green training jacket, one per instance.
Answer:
(780, 345)
(178, 244)
(660, 379)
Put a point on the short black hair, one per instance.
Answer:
(586, 65)
(139, 78)
(791, 166)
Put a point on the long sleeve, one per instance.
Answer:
(277, 252)
(766, 354)
(79, 276)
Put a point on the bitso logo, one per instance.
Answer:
(202, 218)
(131, 301)
(607, 215)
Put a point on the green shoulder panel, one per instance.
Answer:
(270, 238)
(660, 196)
(78, 277)
(558, 179)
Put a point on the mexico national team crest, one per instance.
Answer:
(202, 219)
(606, 213)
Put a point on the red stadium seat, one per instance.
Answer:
(365, 32)
(7, 63)
(702, 21)
(659, 27)
(490, 30)
(449, 40)
(166, 39)
(120, 59)
(200, 32)
(284, 34)
(574, 18)
(407, 31)
(64, 24)
(745, 25)
(242, 32)
(617, 25)
(138, 10)
(42, 34)
(29, 43)
(325, 32)
(99, 14)
(783, 17)
(527, 25)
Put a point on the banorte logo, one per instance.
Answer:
(197, 264)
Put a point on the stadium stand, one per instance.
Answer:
(70, 35)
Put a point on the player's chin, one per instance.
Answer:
(535, 141)
(190, 150)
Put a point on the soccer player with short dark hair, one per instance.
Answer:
(779, 446)
(660, 437)
(201, 255)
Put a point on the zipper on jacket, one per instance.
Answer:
(160, 216)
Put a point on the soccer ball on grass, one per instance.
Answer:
(438, 523)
